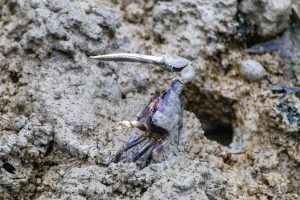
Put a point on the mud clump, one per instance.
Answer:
(270, 17)
(59, 108)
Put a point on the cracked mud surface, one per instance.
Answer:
(59, 108)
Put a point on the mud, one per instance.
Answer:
(269, 17)
(60, 109)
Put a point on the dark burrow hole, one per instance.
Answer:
(9, 168)
(245, 34)
(215, 112)
(15, 77)
(222, 133)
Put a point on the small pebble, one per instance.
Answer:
(252, 70)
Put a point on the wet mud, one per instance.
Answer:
(60, 108)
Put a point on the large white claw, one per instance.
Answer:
(171, 63)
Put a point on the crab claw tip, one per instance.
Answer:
(175, 63)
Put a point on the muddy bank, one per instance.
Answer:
(59, 108)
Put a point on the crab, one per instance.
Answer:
(162, 115)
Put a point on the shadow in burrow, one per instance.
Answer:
(215, 112)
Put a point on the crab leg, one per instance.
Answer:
(141, 152)
(147, 157)
(283, 45)
(135, 124)
(128, 146)
(267, 47)
(134, 142)
(284, 89)
(158, 149)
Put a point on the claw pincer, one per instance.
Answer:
(162, 117)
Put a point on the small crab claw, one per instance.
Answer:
(169, 63)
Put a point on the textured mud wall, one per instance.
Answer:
(59, 108)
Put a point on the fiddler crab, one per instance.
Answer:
(162, 116)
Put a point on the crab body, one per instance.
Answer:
(165, 112)
(161, 119)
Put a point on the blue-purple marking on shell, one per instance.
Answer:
(164, 102)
